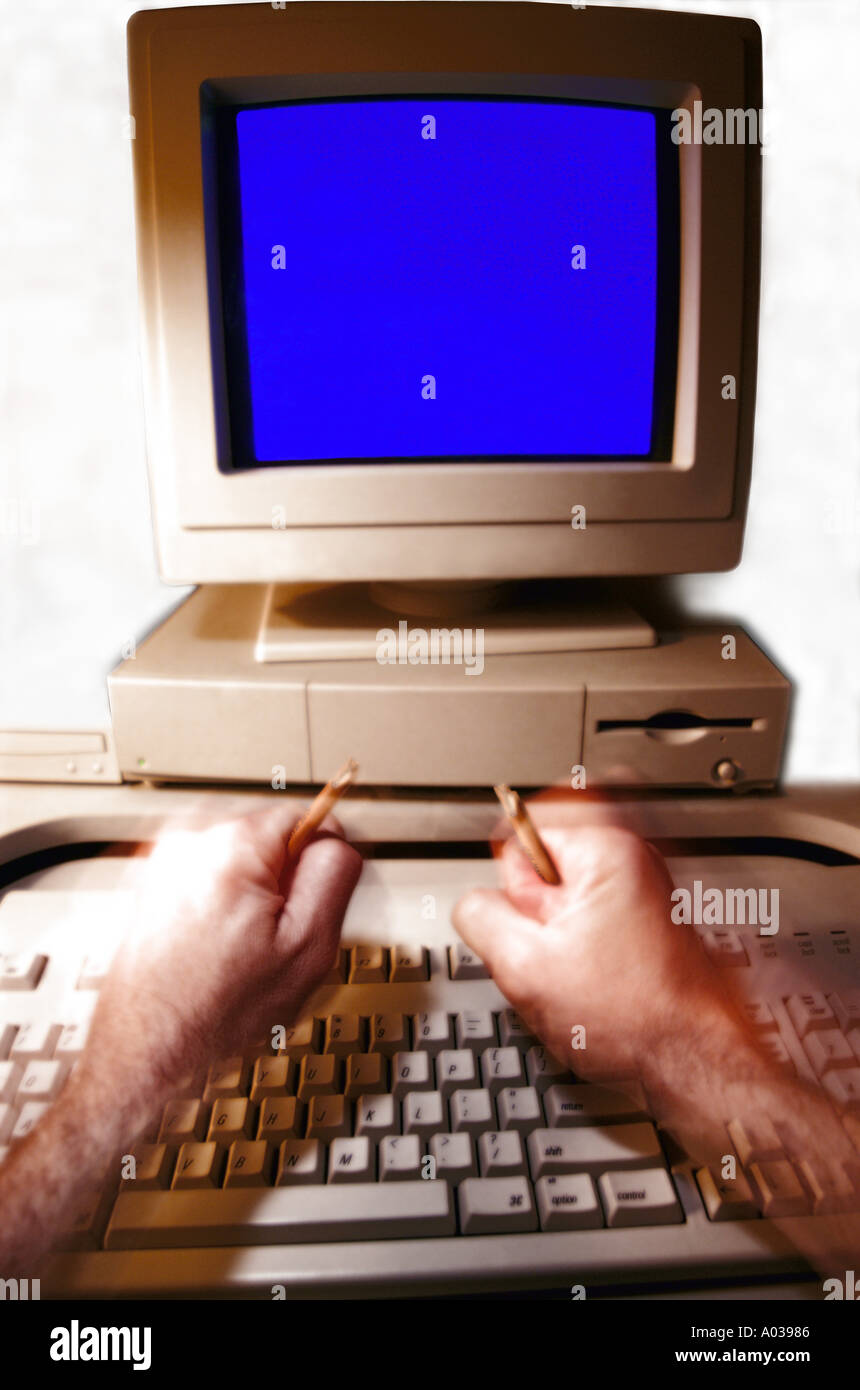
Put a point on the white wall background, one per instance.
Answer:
(77, 569)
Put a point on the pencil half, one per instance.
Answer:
(319, 808)
(524, 828)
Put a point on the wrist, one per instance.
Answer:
(114, 1098)
(702, 1067)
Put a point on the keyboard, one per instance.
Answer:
(408, 1135)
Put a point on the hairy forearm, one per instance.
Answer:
(699, 1080)
(49, 1175)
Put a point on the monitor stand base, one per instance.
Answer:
(352, 622)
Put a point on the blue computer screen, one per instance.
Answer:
(447, 278)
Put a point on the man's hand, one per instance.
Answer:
(230, 938)
(599, 951)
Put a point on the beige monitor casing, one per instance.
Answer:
(441, 520)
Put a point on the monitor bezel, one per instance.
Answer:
(178, 54)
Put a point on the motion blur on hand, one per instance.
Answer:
(598, 952)
(231, 937)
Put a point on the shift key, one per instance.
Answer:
(593, 1150)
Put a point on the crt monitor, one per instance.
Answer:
(441, 290)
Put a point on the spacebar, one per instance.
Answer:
(281, 1215)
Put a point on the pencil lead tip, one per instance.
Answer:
(344, 775)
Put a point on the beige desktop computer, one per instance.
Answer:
(449, 332)
(510, 337)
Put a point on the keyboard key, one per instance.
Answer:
(568, 1203)
(153, 1169)
(198, 1165)
(724, 948)
(829, 1192)
(21, 970)
(301, 1162)
(454, 1155)
(249, 1164)
(72, 1039)
(337, 974)
(642, 1198)
(475, 1029)
(851, 1125)
(389, 1033)
(231, 1119)
(399, 1158)
(85, 1228)
(501, 1067)
(300, 1039)
(368, 965)
(501, 1153)
(10, 1076)
(494, 1206)
(779, 1189)
(352, 1160)
(726, 1199)
(366, 1075)
(760, 1016)
(543, 1070)
(808, 1011)
(8, 1033)
(281, 1117)
(271, 1078)
(336, 1212)
(755, 1140)
(464, 964)
(329, 1118)
(377, 1116)
(95, 968)
(227, 1078)
(408, 964)
(7, 1120)
(191, 1086)
(431, 1032)
(183, 1121)
(456, 1070)
(424, 1113)
(587, 1104)
(843, 1086)
(318, 1075)
(846, 1007)
(411, 1071)
(513, 1032)
(774, 1047)
(472, 1111)
(519, 1108)
(42, 1080)
(593, 1150)
(35, 1042)
(344, 1033)
(28, 1117)
(827, 1050)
